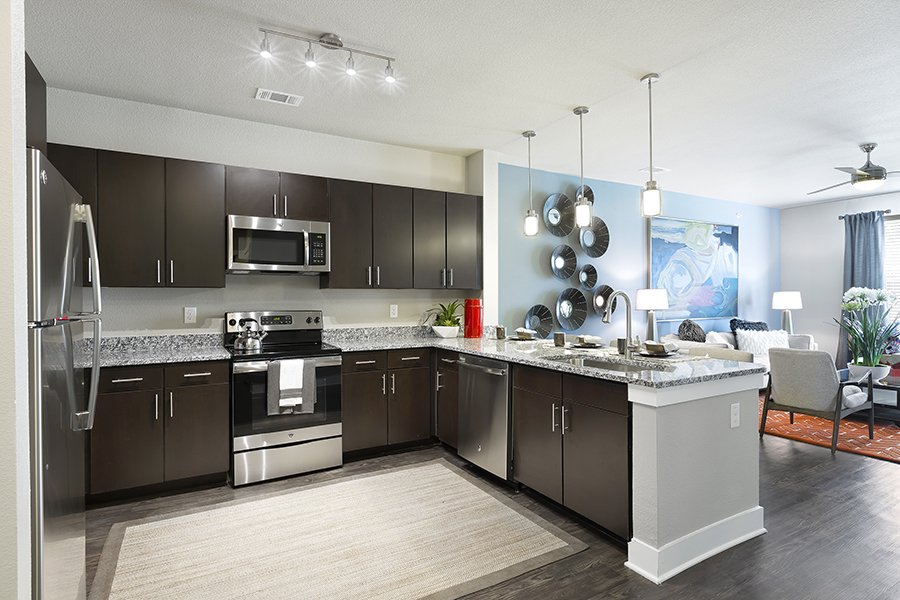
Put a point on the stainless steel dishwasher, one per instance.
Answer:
(484, 413)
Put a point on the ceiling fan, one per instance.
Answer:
(865, 178)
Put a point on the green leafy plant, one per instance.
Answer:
(445, 315)
(866, 324)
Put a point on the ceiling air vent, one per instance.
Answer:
(278, 97)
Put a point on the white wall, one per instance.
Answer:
(812, 261)
(88, 120)
(15, 532)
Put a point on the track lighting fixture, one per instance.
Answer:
(583, 214)
(531, 216)
(651, 197)
(329, 41)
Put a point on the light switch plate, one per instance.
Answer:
(735, 415)
(393, 311)
(190, 314)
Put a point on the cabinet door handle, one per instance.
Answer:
(437, 383)
(553, 419)
(171, 404)
(410, 358)
(369, 276)
(443, 278)
(449, 361)
(128, 380)
(565, 427)
(285, 205)
(171, 270)
(274, 205)
(365, 362)
(206, 374)
(377, 276)
(89, 269)
(451, 277)
(383, 384)
(393, 384)
(156, 408)
(158, 271)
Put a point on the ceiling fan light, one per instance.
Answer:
(651, 200)
(531, 222)
(866, 184)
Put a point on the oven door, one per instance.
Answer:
(253, 427)
(264, 244)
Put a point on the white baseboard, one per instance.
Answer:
(659, 564)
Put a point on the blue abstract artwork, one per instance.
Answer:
(697, 264)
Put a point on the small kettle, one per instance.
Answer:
(250, 339)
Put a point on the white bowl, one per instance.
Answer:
(446, 331)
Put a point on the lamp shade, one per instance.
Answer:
(652, 299)
(786, 301)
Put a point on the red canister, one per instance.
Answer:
(473, 317)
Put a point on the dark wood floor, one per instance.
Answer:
(834, 532)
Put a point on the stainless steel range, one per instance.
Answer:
(285, 395)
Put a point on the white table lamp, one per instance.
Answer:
(785, 302)
(651, 300)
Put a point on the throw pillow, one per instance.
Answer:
(714, 337)
(691, 332)
(759, 342)
(747, 326)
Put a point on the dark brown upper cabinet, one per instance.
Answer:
(464, 241)
(429, 239)
(392, 237)
(79, 167)
(261, 193)
(131, 193)
(195, 224)
(351, 235)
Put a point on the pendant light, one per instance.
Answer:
(531, 216)
(582, 204)
(651, 197)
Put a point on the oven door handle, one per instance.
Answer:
(259, 366)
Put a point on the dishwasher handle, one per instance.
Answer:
(487, 370)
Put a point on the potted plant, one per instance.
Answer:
(866, 323)
(446, 319)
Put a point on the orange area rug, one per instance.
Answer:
(853, 436)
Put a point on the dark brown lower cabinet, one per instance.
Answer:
(364, 411)
(197, 431)
(408, 406)
(150, 433)
(572, 444)
(127, 441)
(447, 397)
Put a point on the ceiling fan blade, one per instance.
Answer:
(851, 170)
(892, 172)
(827, 188)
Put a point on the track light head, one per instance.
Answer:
(351, 66)
(310, 58)
(389, 73)
(265, 50)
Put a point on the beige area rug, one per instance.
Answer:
(425, 531)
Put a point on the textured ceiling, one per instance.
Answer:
(758, 100)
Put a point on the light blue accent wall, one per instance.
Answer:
(525, 277)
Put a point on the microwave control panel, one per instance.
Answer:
(317, 250)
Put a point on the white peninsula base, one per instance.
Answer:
(695, 474)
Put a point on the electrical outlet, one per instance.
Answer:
(735, 415)
(190, 314)
(393, 311)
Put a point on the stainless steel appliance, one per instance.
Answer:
(60, 409)
(262, 244)
(267, 446)
(484, 414)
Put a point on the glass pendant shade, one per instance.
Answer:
(582, 212)
(651, 200)
(531, 222)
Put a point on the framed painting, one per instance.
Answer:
(697, 264)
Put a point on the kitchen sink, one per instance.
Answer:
(597, 363)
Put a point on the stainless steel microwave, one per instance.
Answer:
(263, 244)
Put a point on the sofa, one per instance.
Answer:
(726, 339)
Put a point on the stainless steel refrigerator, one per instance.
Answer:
(61, 401)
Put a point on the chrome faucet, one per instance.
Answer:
(607, 315)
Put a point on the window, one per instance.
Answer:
(892, 259)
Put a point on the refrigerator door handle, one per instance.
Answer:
(83, 215)
(84, 420)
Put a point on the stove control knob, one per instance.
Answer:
(308, 320)
(232, 322)
(316, 319)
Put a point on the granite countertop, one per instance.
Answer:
(659, 372)
(131, 350)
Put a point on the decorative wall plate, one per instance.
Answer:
(595, 239)
(563, 261)
(571, 309)
(587, 276)
(559, 215)
(601, 297)
(540, 319)
(588, 193)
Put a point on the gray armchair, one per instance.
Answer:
(805, 382)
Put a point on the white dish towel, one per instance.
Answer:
(286, 393)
